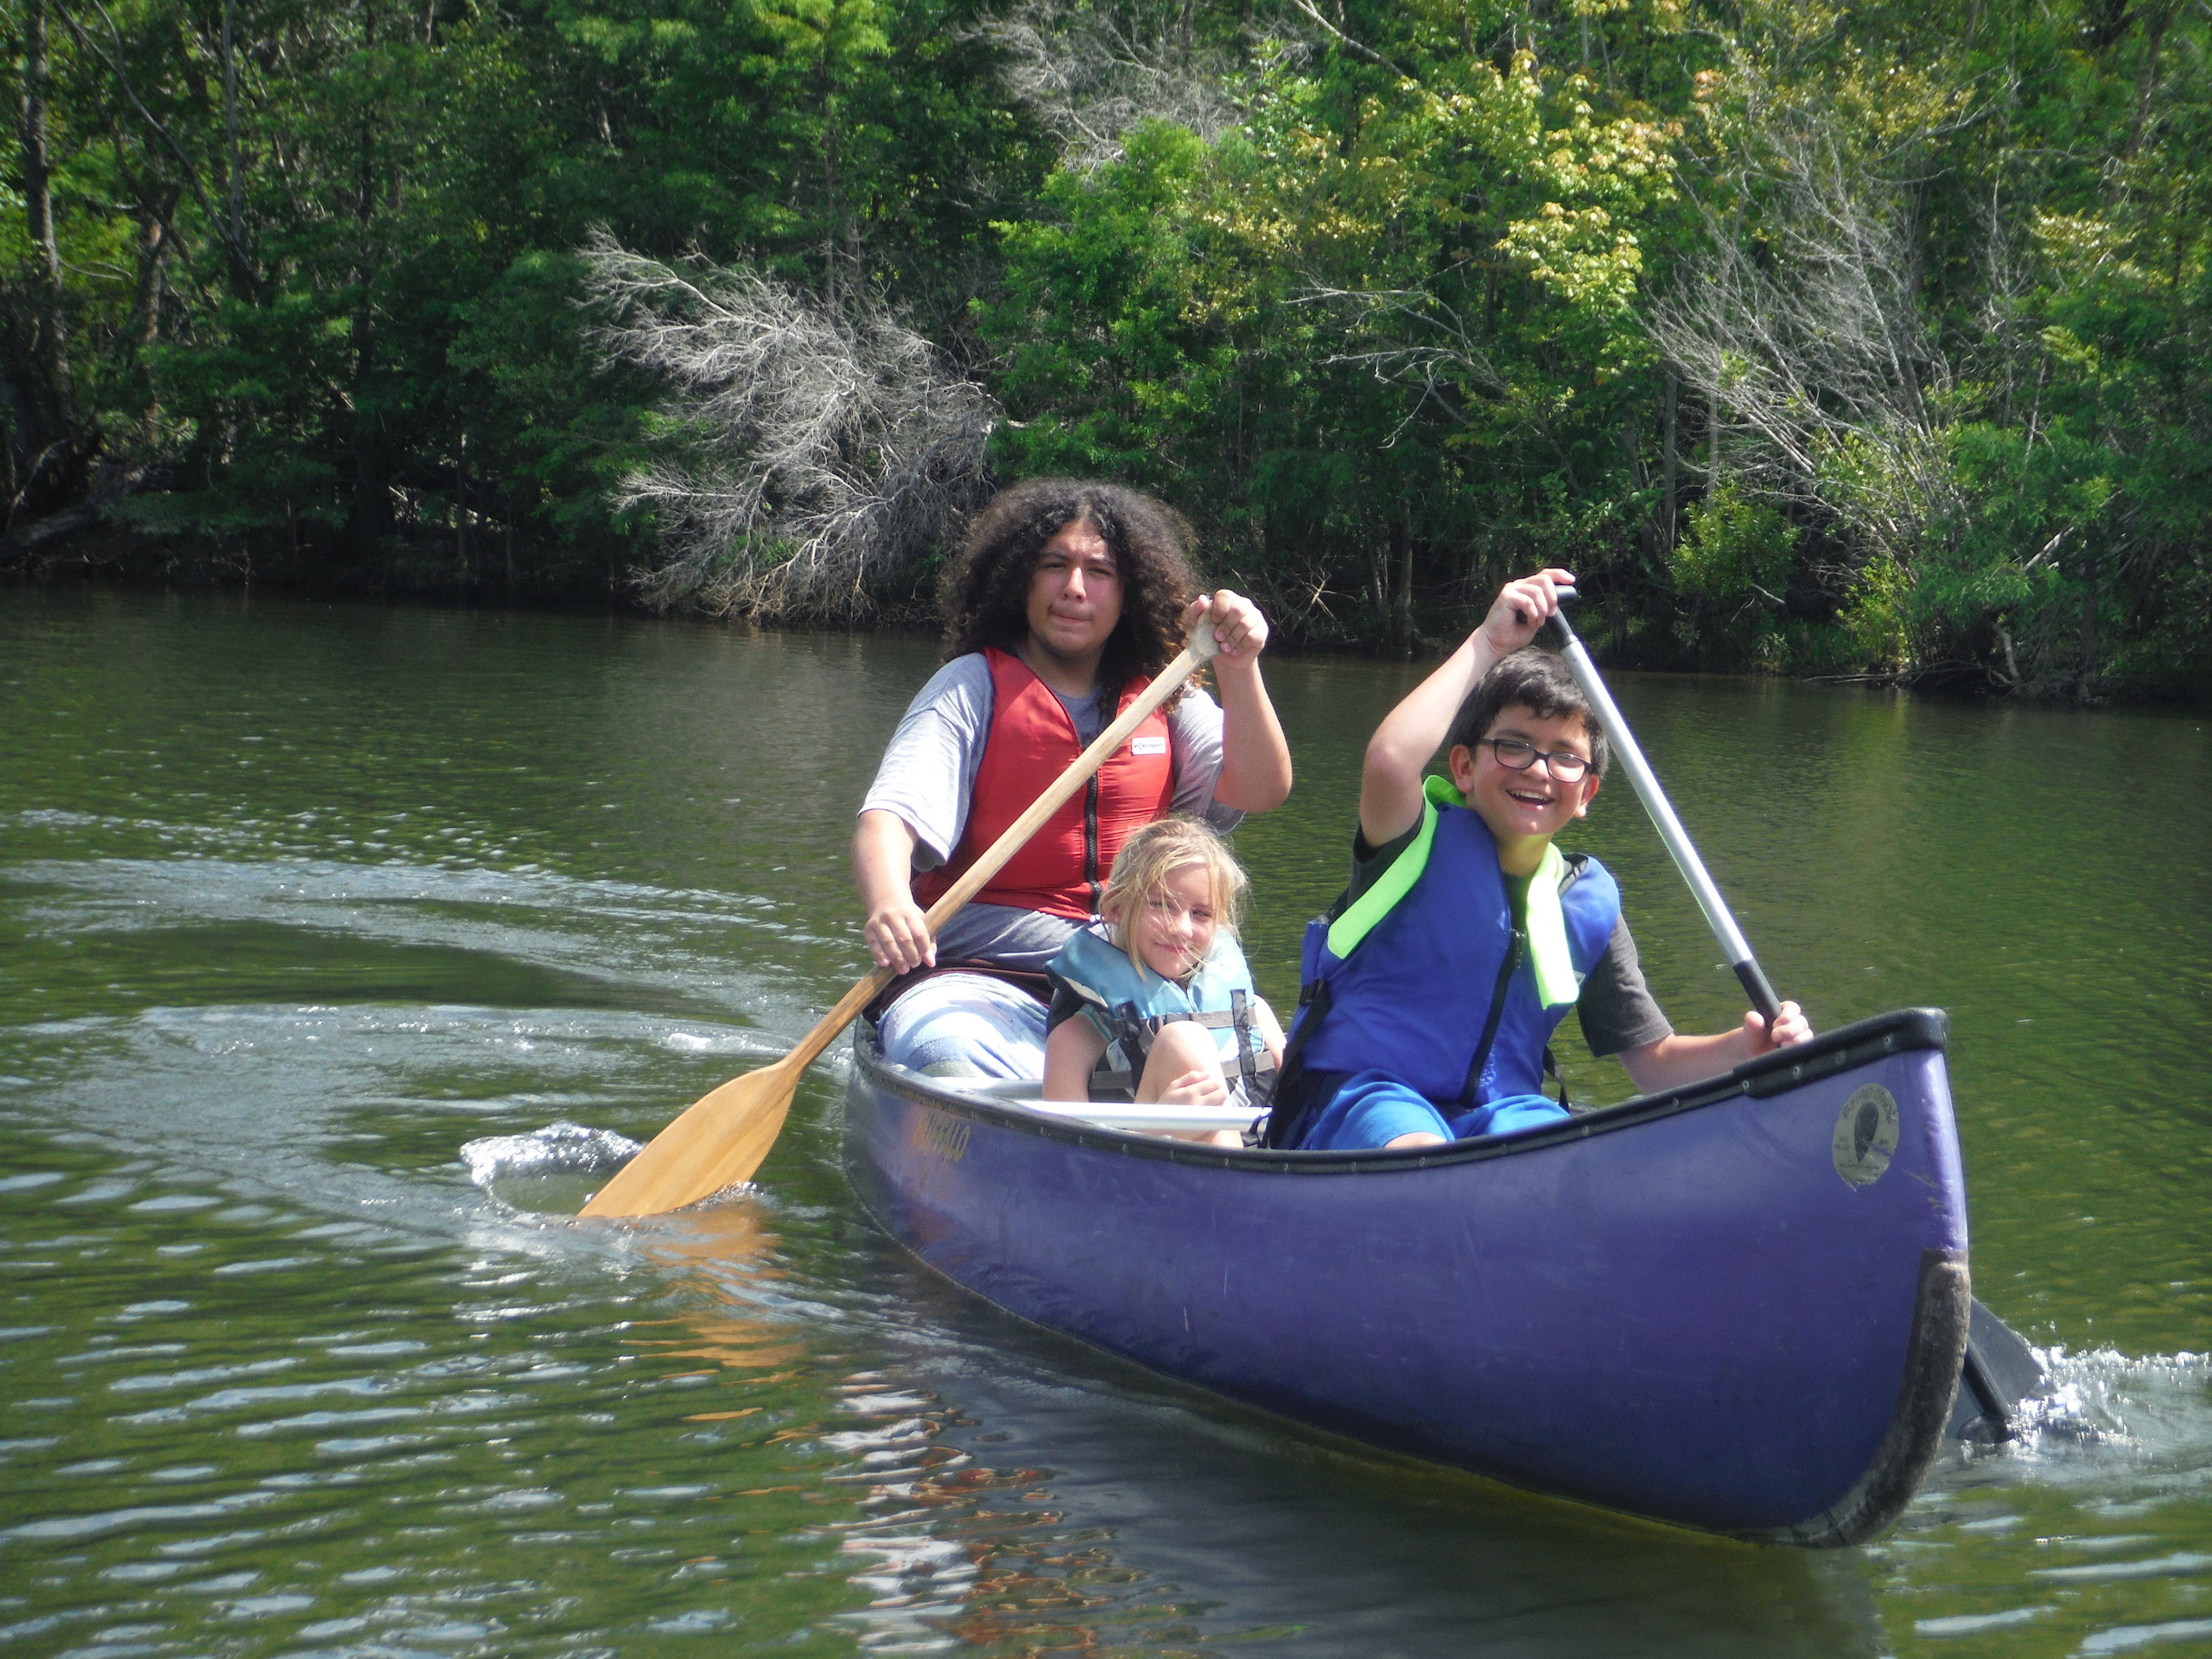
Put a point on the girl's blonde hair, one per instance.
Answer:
(1155, 851)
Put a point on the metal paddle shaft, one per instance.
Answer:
(1670, 827)
(722, 1136)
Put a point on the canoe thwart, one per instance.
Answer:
(1023, 1093)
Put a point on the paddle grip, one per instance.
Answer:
(1757, 987)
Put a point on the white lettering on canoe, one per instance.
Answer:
(947, 1137)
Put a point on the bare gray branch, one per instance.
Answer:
(1802, 329)
(819, 451)
(1095, 74)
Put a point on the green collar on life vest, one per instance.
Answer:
(1557, 982)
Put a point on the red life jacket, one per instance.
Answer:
(1063, 869)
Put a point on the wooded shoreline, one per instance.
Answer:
(1871, 342)
(1641, 648)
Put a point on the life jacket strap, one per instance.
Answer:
(1133, 1033)
(1552, 1071)
(1558, 984)
(1240, 1013)
(1496, 1017)
(1313, 1001)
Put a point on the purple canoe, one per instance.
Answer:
(1740, 1306)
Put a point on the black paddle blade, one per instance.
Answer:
(2001, 1373)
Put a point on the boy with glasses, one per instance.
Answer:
(1432, 989)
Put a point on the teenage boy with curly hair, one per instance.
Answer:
(1068, 598)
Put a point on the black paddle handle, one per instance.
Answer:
(1759, 990)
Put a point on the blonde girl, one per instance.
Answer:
(1155, 998)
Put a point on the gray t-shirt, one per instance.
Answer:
(1616, 1008)
(927, 778)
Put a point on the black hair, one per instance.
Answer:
(1539, 681)
(985, 595)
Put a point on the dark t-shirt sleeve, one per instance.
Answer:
(1368, 863)
(1616, 1008)
(1065, 1006)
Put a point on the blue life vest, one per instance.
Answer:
(1425, 976)
(1128, 1004)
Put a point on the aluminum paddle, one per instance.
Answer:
(1732, 942)
(721, 1138)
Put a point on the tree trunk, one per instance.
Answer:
(1379, 591)
(2146, 80)
(49, 450)
(145, 327)
(145, 324)
(832, 214)
(38, 194)
(2087, 682)
(1669, 407)
(1401, 536)
(461, 518)
(372, 501)
(236, 178)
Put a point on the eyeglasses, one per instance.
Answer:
(1515, 755)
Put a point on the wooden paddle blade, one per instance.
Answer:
(720, 1139)
(723, 1137)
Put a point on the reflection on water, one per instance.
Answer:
(297, 903)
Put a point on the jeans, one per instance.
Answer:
(966, 1026)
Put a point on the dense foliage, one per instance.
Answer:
(1867, 341)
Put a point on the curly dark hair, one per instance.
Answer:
(985, 593)
(1538, 681)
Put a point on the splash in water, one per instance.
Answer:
(2109, 1422)
(551, 1170)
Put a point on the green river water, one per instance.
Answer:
(295, 901)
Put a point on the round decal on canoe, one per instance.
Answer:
(1866, 1134)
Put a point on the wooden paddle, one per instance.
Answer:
(722, 1136)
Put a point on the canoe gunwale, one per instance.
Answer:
(1900, 1031)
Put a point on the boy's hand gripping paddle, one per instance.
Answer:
(722, 1136)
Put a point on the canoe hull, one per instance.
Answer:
(1741, 1307)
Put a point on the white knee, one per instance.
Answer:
(1178, 1049)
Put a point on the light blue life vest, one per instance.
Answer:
(1426, 977)
(1128, 1005)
